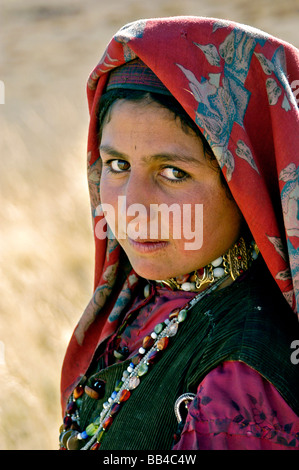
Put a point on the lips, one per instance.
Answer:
(147, 246)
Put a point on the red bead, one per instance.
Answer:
(78, 392)
(152, 356)
(125, 395)
(71, 407)
(107, 423)
(67, 421)
(96, 446)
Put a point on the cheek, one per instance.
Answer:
(109, 203)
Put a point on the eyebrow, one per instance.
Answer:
(162, 157)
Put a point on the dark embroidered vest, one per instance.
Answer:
(248, 321)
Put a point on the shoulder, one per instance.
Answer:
(236, 408)
(253, 323)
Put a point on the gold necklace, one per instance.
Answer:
(234, 262)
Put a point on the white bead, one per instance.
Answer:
(218, 272)
(154, 335)
(130, 369)
(187, 286)
(141, 350)
(146, 291)
(217, 262)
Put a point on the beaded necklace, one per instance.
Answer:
(153, 345)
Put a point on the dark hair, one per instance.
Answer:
(168, 102)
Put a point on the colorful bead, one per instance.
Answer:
(115, 408)
(174, 314)
(136, 359)
(142, 370)
(148, 341)
(95, 446)
(162, 343)
(91, 429)
(152, 356)
(99, 387)
(71, 407)
(125, 395)
(67, 421)
(107, 423)
(172, 330)
(78, 392)
(118, 385)
(91, 392)
(100, 436)
(158, 328)
(133, 382)
(182, 315)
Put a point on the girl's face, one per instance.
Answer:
(151, 162)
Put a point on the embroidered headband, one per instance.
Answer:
(135, 75)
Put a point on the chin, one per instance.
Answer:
(152, 273)
(155, 272)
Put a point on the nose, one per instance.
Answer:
(139, 190)
(139, 194)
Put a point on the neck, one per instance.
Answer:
(230, 266)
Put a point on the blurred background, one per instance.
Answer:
(47, 49)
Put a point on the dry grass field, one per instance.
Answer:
(47, 49)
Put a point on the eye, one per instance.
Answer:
(174, 174)
(118, 166)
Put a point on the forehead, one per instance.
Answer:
(145, 118)
(150, 132)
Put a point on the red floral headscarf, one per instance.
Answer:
(239, 85)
